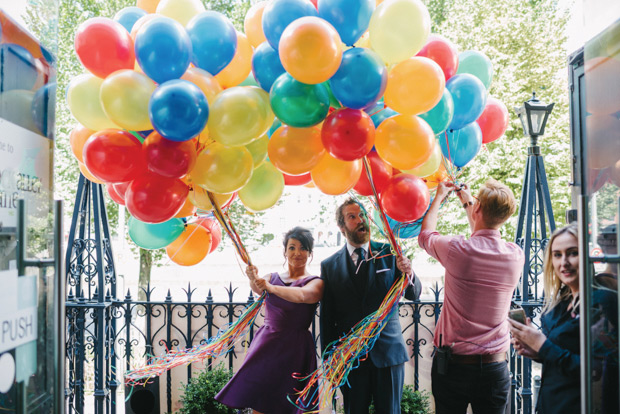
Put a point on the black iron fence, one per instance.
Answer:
(132, 330)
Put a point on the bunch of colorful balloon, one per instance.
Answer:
(175, 76)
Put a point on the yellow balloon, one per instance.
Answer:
(205, 82)
(125, 96)
(199, 198)
(240, 67)
(84, 103)
(264, 188)
(180, 10)
(258, 149)
(296, 151)
(310, 50)
(399, 29)
(266, 104)
(148, 6)
(364, 41)
(404, 141)
(414, 86)
(430, 166)
(239, 115)
(333, 177)
(253, 24)
(222, 169)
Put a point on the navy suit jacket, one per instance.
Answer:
(344, 305)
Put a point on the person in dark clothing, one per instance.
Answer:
(556, 346)
(357, 279)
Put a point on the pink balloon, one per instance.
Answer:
(114, 195)
(212, 227)
(443, 52)
(406, 198)
(493, 121)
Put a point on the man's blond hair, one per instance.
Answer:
(497, 203)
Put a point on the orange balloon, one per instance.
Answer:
(88, 174)
(310, 50)
(414, 86)
(240, 67)
(433, 180)
(188, 209)
(191, 246)
(77, 139)
(404, 141)
(333, 177)
(140, 22)
(205, 82)
(295, 151)
(147, 5)
(253, 24)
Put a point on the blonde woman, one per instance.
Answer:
(556, 346)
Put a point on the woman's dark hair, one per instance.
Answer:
(302, 235)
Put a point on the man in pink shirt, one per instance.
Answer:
(472, 334)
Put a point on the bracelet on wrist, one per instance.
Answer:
(468, 203)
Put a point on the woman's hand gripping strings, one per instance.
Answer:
(257, 284)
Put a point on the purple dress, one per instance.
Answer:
(281, 347)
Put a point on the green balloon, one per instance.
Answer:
(477, 64)
(258, 149)
(441, 115)
(264, 188)
(298, 104)
(155, 236)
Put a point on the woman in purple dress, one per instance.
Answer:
(283, 346)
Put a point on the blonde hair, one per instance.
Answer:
(555, 290)
(497, 203)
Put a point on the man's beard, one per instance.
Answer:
(357, 237)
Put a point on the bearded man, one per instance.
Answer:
(357, 279)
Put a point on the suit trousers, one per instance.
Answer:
(367, 383)
(485, 386)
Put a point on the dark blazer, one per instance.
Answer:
(344, 305)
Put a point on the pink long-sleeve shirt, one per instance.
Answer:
(481, 275)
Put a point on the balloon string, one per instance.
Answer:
(382, 215)
(182, 244)
(227, 225)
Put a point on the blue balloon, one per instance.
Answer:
(266, 65)
(178, 110)
(382, 116)
(128, 16)
(461, 146)
(441, 115)
(163, 49)
(214, 41)
(350, 18)
(403, 230)
(374, 107)
(43, 109)
(280, 13)
(361, 78)
(18, 68)
(469, 96)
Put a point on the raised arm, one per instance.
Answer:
(430, 220)
(312, 292)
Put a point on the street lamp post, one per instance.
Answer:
(532, 235)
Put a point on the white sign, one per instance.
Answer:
(24, 173)
(18, 320)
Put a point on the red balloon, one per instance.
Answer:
(114, 156)
(314, 2)
(443, 52)
(348, 134)
(493, 121)
(121, 188)
(169, 158)
(406, 198)
(214, 228)
(381, 174)
(152, 198)
(114, 195)
(297, 179)
(104, 46)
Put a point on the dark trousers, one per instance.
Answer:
(383, 386)
(485, 386)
